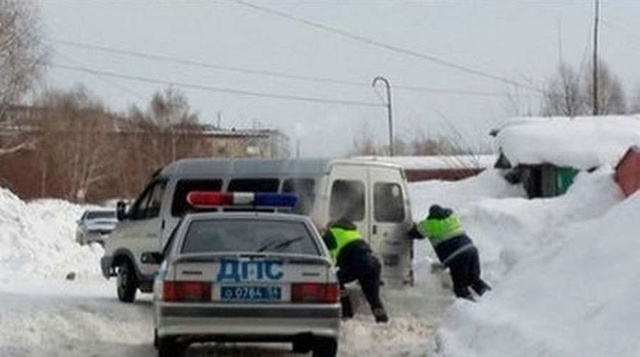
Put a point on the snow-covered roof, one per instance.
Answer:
(580, 142)
(437, 162)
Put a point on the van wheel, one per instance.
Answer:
(325, 347)
(126, 282)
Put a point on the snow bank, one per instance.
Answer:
(563, 276)
(38, 240)
(457, 194)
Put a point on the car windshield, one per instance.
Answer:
(242, 235)
(101, 215)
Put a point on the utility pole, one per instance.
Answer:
(389, 113)
(595, 58)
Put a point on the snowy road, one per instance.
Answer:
(42, 314)
(84, 318)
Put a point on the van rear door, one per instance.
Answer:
(347, 196)
(390, 219)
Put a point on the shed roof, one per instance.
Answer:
(580, 142)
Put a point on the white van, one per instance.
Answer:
(370, 193)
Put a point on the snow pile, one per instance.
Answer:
(457, 194)
(38, 240)
(580, 142)
(565, 283)
(509, 230)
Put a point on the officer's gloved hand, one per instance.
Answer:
(413, 233)
(437, 267)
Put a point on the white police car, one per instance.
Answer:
(245, 276)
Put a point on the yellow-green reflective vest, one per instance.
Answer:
(439, 230)
(342, 237)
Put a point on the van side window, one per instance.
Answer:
(347, 200)
(183, 187)
(388, 203)
(304, 189)
(149, 203)
(253, 185)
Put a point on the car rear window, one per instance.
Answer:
(101, 215)
(242, 235)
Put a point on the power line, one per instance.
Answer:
(386, 46)
(214, 89)
(182, 61)
(314, 79)
(102, 78)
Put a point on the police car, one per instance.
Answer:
(245, 276)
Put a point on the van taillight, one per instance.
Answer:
(315, 293)
(186, 291)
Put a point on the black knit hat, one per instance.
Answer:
(439, 212)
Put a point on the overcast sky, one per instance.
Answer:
(507, 41)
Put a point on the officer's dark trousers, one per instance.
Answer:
(465, 273)
(366, 269)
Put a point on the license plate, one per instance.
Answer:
(250, 293)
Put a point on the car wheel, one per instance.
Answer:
(325, 347)
(170, 348)
(126, 282)
(302, 347)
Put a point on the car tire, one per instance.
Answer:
(325, 347)
(170, 348)
(303, 347)
(126, 283)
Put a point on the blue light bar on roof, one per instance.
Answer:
(275, 199)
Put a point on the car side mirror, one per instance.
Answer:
(121, 212)
(151, 258)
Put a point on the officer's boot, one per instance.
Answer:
(347, 308)
(381, 315)
(480, 287)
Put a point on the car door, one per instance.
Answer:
(144, 227)
(390, 219)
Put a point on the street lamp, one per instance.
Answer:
(386, 83)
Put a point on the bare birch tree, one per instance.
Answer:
(21, 57)
(611, 97)
(167, 130)
(571, 94)
(564, 94)
(75, 143)
(635, 102)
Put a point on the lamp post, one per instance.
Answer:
(386, 83)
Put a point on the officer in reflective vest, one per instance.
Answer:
(355, 261)
(454, 249)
